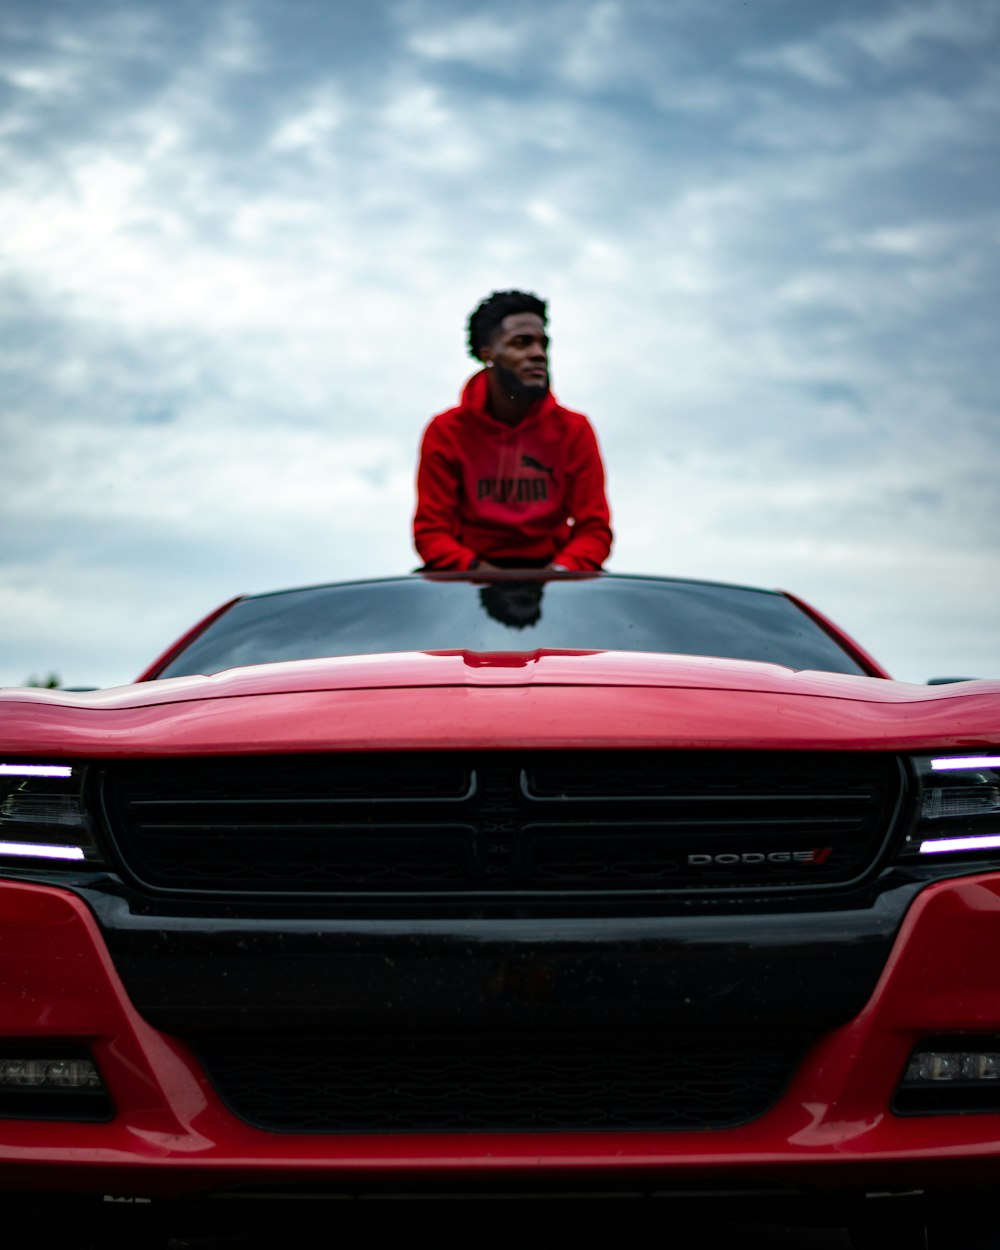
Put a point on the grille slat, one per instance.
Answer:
(503, 822)
(290, 801)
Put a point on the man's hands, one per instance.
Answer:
(484, 566)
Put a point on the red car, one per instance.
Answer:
(537, 882)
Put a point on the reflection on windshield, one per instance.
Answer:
(517, 604)
(432, 612)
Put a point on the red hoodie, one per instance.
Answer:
(534, 491)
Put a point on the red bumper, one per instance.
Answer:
(172, 1134)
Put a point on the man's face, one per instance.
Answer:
(520, 353)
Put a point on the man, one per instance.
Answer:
(510, 478)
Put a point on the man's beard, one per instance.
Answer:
(520, 392)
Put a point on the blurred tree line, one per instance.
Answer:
(51, 682)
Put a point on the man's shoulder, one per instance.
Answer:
(446, 421)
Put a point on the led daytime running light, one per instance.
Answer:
(41, 850)
(937, 846)
(35, 770)
(968, 761)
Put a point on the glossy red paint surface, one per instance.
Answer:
(435, 700)
(171, 1134)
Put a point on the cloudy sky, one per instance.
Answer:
(239, 240)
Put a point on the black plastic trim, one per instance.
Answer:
(693, 969)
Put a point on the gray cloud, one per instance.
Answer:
(239, 240)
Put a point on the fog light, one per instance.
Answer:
(954, 1065)
(948, 1076)
(49, 1073)
(50, 1080)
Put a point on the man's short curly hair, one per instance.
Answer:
(486, 320)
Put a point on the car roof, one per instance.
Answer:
(516, 575)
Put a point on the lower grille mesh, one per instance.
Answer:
(507, 1082)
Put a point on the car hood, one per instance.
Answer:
(424, 699)
(506, 668)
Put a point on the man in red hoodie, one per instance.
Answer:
(510, 478)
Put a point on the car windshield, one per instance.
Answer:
(441, 613)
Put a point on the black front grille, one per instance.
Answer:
(500, 823)
(503, 1082)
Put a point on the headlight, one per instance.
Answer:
(42, 817)
(958, 811)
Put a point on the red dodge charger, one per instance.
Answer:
(534, 883)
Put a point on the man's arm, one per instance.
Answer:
(590, 540)
(436, 521)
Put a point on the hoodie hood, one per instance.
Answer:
(475, 398)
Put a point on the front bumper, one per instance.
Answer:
(172, 1135)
